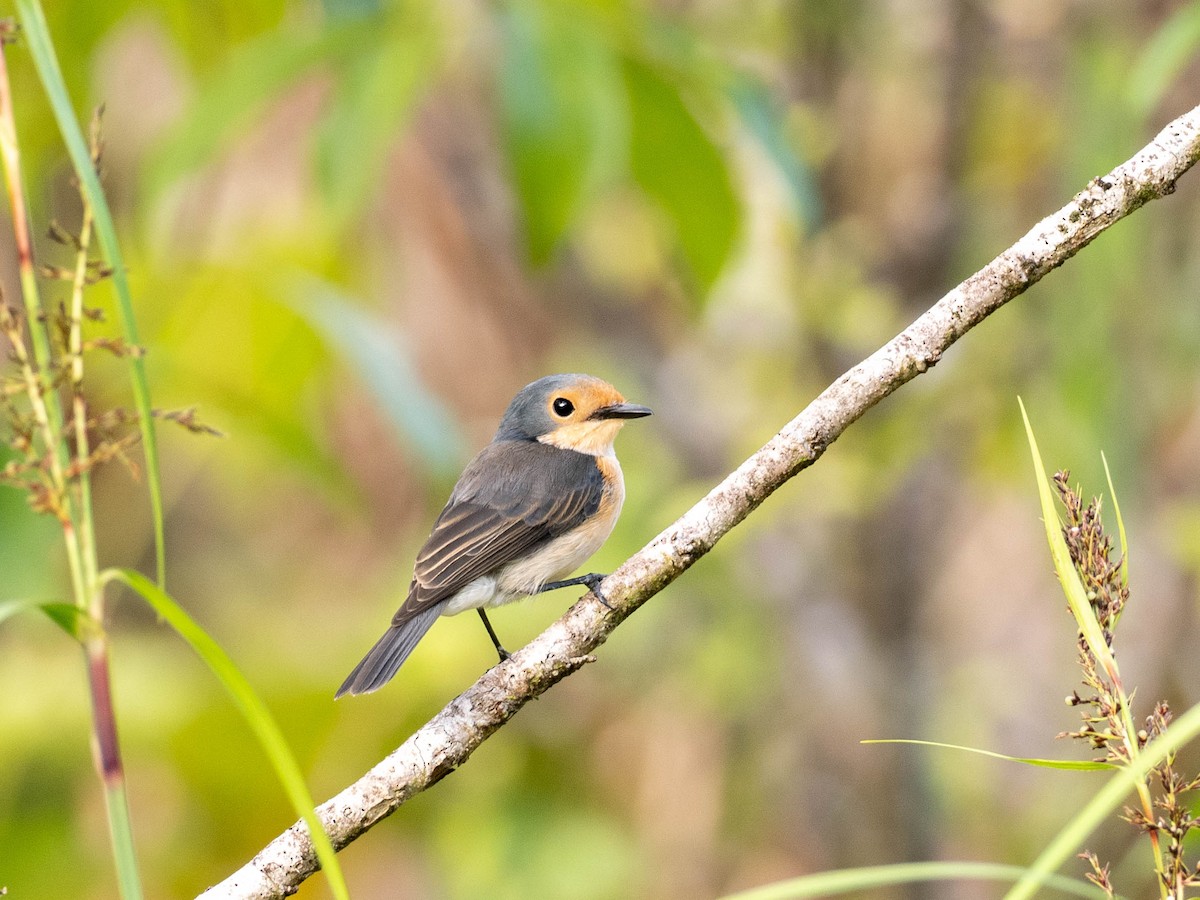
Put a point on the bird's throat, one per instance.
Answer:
(592, 438)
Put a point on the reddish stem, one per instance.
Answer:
(107, 750)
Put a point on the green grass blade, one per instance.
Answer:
(1112, 492)
(41, 48)
(1072, 765)
(259, 718)
(1164, 57)
(387, 367)
(79, 623)
(1077, 600)
(1104, 802)
(127, 869)
(848, 881)
(74, 620)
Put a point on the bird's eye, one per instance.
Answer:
(563, 407)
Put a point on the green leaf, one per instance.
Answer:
(675, 162)
(1163, 58)
(76, 622)
(231, 99)
(763, 119)
(850, 881)
(257, 716)
(1076, 765)
(1112, 492)
(1068, 577)
(375, 95)
(41, 48)
(561, 112)
(386, 368)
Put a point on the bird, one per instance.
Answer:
(530, 508)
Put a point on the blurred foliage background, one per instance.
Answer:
(356, 228)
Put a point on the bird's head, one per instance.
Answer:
(574, 412)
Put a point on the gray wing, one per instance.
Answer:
(512, 497)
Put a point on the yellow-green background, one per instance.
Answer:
(354, 229)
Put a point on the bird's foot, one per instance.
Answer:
(594, 586)
(592, 580)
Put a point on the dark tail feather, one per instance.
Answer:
(388, 654)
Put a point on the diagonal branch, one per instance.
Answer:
(447, 740)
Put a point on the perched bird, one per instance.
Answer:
(529, 509)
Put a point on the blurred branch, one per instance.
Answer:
(448, 739)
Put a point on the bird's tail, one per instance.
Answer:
(388, 654)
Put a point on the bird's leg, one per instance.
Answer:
(504, 654)
(592, 580)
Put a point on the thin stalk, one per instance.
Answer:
(109, 766)
(1130, 740)
(41, 47)
(10, 152)
(70, 501)
(104, 721)
(83, 484)
(42, 398)
(1066, 843)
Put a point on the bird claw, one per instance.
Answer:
(593, 582)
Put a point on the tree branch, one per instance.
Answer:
(448, 739)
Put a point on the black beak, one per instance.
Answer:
(621, 411)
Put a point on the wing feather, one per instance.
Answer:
(513, 497)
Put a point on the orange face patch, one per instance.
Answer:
(576, 402)
(572, 408)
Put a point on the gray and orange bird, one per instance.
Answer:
(528, 510)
